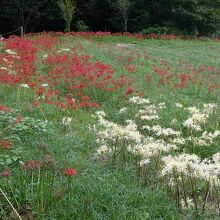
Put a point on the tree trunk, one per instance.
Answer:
(68, 25)
(125, 25)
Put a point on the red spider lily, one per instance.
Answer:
(159, 71)
(5, 173)
(40, 90)
(70, 172)
(46, 41)
(148, 78)
(48, 161)
(19, 119)
(212, 88)
(5, 108)
(131, 69)
(85, 98)
(5, 144)
(70, 101)
(69, 75)
(36, 103)
(129, 91)
(32, 165)
(95, 105)
(22, 65)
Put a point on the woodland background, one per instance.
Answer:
(190, 17)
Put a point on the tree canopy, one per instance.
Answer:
(200, 17)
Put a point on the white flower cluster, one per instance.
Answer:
(103, 149)
(187, 204)
(139, 145)
(147, 141)
(66, 121)
(178, 140)
(64, 50)
(45, 56)
(113, 131)
(161, 140)
(138, 100)
(191, 164)
(162, 131)
(162, 105)
(148, 113)
(122, 110)
(199, 117)
(3, 68)
(24, 85)
(11, 52)
(208, 138)
(8, 64)
(149, 148)
(178, 105)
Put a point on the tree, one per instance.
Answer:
(98, 14)
(195, 16)
(67, 8)
(124, 7)
(32, 15)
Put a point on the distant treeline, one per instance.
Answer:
(190, 17)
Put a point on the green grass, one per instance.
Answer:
(101, 191)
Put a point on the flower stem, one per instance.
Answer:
(15, 211)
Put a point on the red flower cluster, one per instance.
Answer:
(106, 34)
(32, 165)
(68, 79)
(70, 172)
(5, 173)
(4, 108)
(18, 67)
(46, 41)
(185, 75)
(19, 118)
(5, 144)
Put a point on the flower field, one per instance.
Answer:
(101, 126)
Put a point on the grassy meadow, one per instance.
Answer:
(109, 128)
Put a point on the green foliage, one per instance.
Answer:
(81, 26)
(32, 15)
(160, 30)
(124, 7)
(197, 17)
(67, 8)
(100, 191)
(27, 125)
(11, 158)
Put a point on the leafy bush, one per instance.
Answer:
(160, 30)
(81, 26)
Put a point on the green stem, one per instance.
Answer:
(184, 190)
(6, 198)
(206, 197)
(42, 113)
(193, 191)
(217, 198)
(177, 188)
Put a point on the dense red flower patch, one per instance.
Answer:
(46, 42)
(67, 78)
(106, 34)
(19, 62)
(185, 75)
